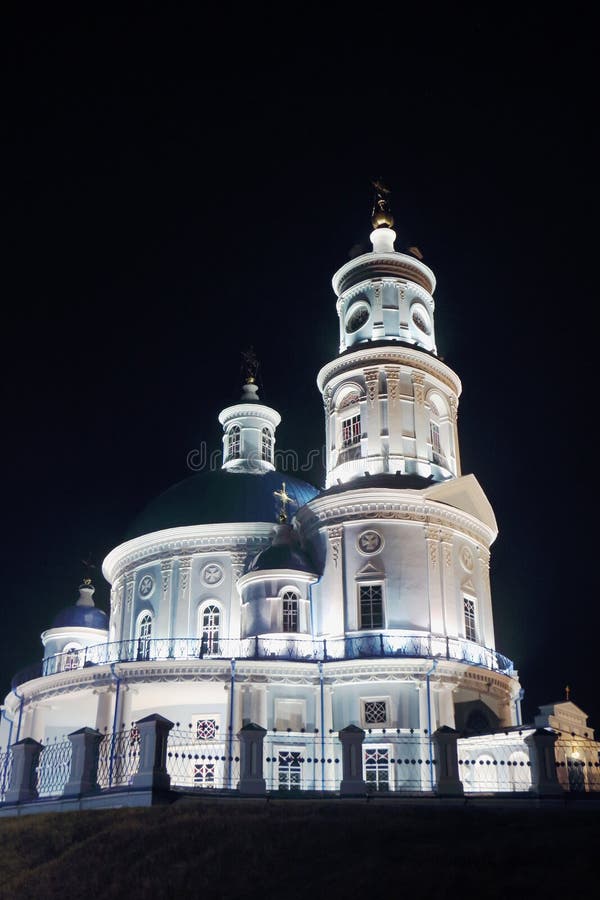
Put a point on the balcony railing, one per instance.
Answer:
(294, 647)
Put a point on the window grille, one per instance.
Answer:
(206, 729)
(371, 606)
(211, 620)
(377, 768)
(436, 445)
(350, 431)
(290, 611)
(375, 712)
(289, 770)
(267, 445)
(144, 636)
(234, 442)
(71, 658)
(204, 774)
(469, 611)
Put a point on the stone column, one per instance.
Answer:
(251, 760)
(152, 773)
(445, 741)
(352, 783)
(83, 778)
(23, 778)
(544, 777)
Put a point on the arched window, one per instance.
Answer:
(71, 657)
(289, 601)
(234, 442)
(470, 616)
(144, 636)
(267, 445)
(210, 623)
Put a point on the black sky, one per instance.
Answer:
(176, 188)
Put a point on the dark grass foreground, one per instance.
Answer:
(301, 849)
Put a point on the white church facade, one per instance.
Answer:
(246, 596)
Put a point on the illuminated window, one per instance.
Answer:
(267, 445)
(210, 624)
(289, 767)
(71, 657)
(234, 442)
(290, 611)
(350, 431)
(377, 768)
(469, 613)
(144, 636)
(371, 606)
(206, 729)
(374, 712)
(204, 774)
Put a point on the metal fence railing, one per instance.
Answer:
(577, 764)
(301, 761)
(496, 763)
(293, 647)
(203, 764)
(6, 758)
(118, 758)
(53, 768)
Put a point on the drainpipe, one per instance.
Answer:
(115, 722)
(19, 697)
(322, 726)
(427, 674)
(518, 699)
(6, 758)
(230, 753)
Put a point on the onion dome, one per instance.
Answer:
(84, 614)
(284, 553)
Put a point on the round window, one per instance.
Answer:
(420, 318)
(358, 315)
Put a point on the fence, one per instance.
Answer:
(118, 758)
(154, 755)
(5, 771)
(54, 768)
(203, 764)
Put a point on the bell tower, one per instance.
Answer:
(390, 403)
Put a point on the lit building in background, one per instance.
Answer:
(246, 595)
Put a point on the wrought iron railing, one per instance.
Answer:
(293, 647)
(6, 759)
(118, 758)
(203, 764)
(53, 768)
(496, 763)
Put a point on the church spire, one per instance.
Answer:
(249, 426)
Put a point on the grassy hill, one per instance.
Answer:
(298, 849)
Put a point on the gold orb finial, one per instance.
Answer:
(382, 216)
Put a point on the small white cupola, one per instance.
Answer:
(249, 427)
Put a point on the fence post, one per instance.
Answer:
(352, 783)
(252, 781)
(23, 779)
(152, 772)
(446, 751)
(545, 781)
(83, 777)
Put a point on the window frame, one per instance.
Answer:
(363, 712)
(351, 419)
(234, 443)
(266, 444)
(467, 623)
(297, 598)
(144, 640)
(370, 584)
(211, 646)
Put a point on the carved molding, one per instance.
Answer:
(372, 381)
(334, 535)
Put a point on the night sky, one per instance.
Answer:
(177, 189)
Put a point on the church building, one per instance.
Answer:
(246, 595)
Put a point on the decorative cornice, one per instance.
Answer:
(364, 357)
(385, 504)
(190, 540)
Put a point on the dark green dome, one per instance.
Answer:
(221, 496)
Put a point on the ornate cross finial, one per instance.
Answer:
(88, 565)
(382, 215)
(284, 500)
(567, 692)
(249, 366)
